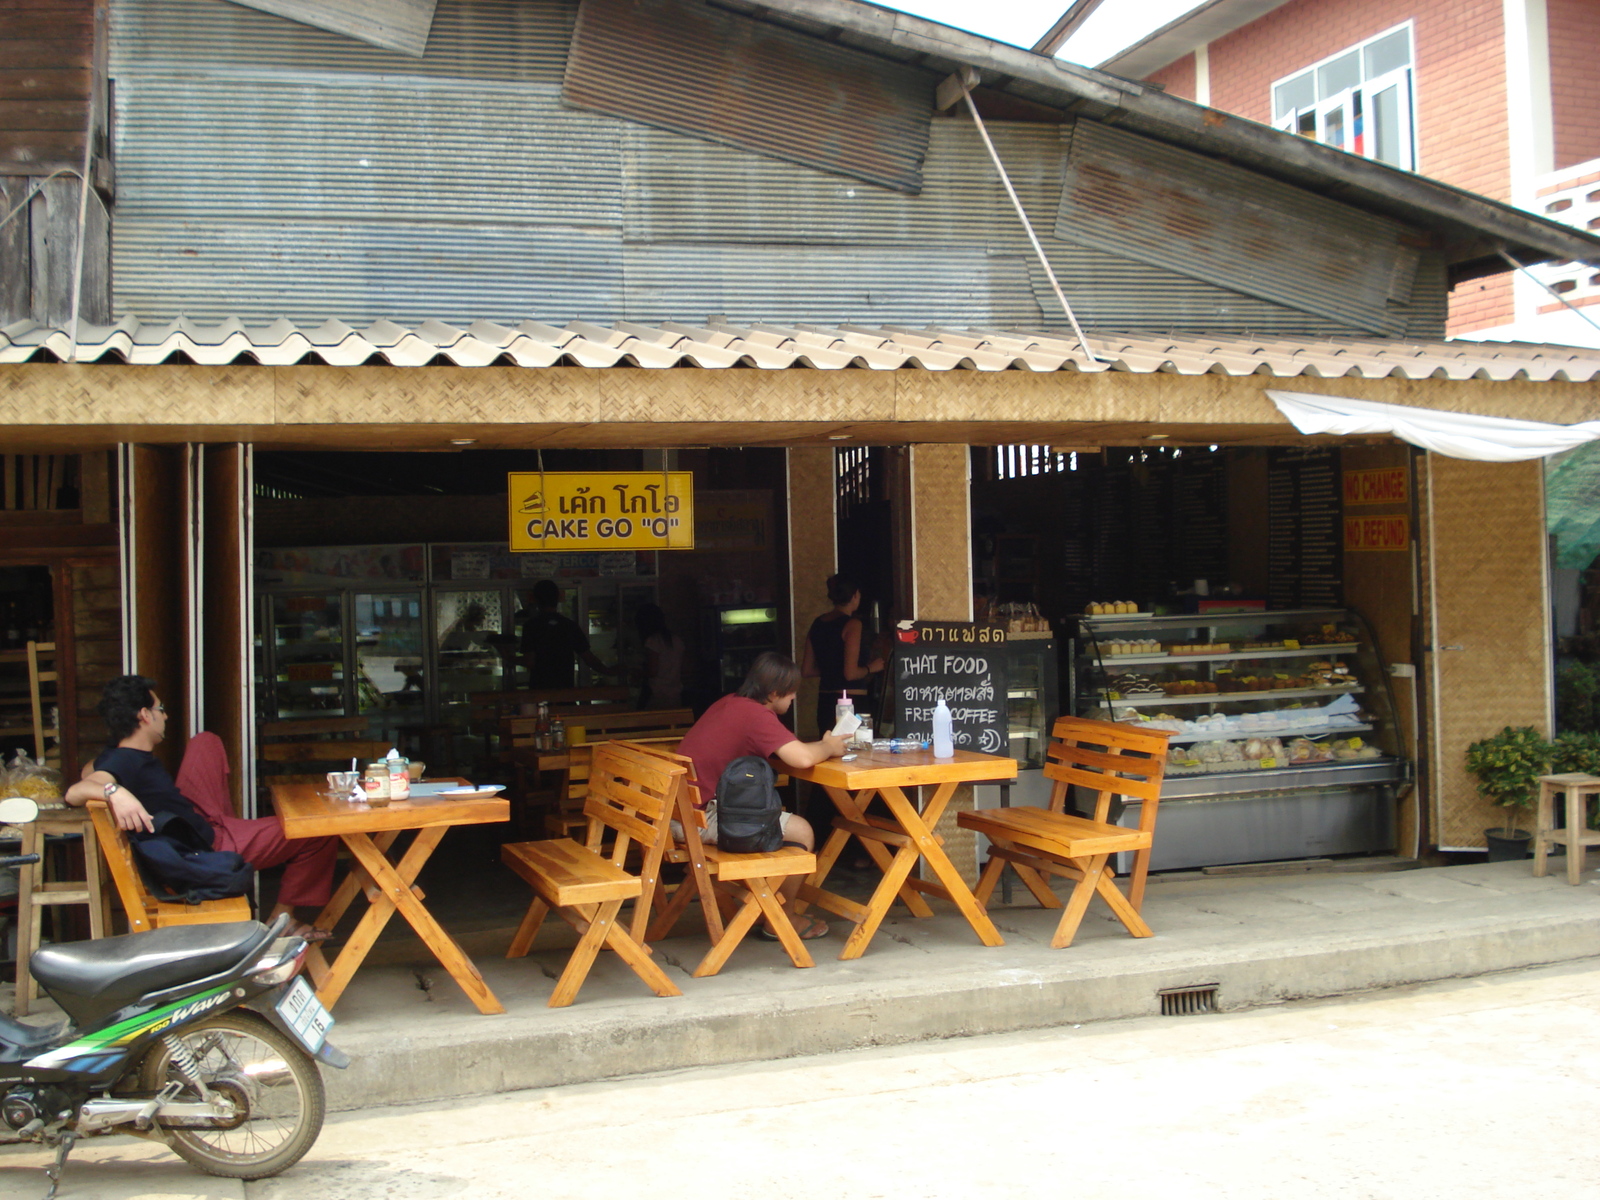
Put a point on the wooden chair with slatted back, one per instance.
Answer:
(653, 726)
(747, 882)
(144, 911)
(1109, 759)
(631, 800)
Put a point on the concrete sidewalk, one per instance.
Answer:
(1259, 939)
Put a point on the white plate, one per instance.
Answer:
(487, 789)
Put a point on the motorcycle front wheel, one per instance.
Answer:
(273, 1082)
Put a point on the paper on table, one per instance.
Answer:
(847, 725)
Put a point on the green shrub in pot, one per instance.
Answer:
(1508, 766)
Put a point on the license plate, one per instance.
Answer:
(304, 1014)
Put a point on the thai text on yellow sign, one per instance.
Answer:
(606, 510)
(1382, 485)
(1377, 533)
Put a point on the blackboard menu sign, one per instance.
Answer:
(964, 663)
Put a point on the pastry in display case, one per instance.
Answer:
(1289, 710)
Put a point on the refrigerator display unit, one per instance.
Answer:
(738, 634)
(302, 670)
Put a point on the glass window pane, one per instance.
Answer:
(308, 655)
(1383, 129)
(472, 652)
(388, 652)
(1333, 127)
(1293, 94)
(1340, 75)
(1389, 53)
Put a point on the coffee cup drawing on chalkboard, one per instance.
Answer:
(905, 632)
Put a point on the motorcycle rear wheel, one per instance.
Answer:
(278, 1085)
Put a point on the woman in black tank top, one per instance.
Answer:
(833, 650)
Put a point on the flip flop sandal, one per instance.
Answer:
(310, 934)
(815, 928)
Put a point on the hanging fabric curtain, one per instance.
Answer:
(1454, 434)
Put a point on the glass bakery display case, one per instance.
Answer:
(1283, 744)
(1032, 697)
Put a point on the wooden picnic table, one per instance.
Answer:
(851, 786)
(306, 810)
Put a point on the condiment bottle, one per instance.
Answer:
(845, 707)
(399, 778)
(943, 743)
(375, 783)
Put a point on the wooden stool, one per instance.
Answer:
(34, 893)
(1577, 788)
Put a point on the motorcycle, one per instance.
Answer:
(203, 1037)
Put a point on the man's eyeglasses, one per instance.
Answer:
(160, 708)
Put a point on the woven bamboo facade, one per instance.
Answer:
(1490, 659)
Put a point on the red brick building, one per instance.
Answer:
(1495, 96)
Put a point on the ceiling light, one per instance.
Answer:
(840, 437)
(1156, 437)
(463, 441)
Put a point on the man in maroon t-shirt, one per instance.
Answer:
(747, 723)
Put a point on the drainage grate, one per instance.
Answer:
(1188, 1001)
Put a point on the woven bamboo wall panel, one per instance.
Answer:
(811, 558)
(1486, 550)
(941, 548)
(246, 402)
(746, 395)
(70, 396)
(437, 395)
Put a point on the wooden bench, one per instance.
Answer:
(631, 796)
(1109, 759)
(744, 882)
(144, 911)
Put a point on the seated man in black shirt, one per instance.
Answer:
(134, 784)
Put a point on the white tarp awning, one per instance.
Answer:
(1454, 434)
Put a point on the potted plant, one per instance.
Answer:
(1508, 766)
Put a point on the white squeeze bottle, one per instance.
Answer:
(943, 746)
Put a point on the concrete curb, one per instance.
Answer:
(544, 1048)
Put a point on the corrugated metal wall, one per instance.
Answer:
(269, 169)
(1153, 202)
(711, 74)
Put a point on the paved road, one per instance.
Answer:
(1442, 1091)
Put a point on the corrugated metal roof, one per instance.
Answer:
(504, 40)
(775, 347)
(1475, 226)
(711, 74)
(1149, 201)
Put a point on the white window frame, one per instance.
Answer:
(1355, 104)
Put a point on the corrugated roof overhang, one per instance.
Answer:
(1472, 229)
(675, 385)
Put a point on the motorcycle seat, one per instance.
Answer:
(117, 970)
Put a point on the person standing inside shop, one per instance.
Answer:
(663, 659)
(552, 642)
(833, 651)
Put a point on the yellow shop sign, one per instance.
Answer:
(607, 510)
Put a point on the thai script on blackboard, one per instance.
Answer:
(964, 664)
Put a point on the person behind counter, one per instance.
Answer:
(135, 786)
(552, 642)
(833, 650)
(663, 659)
(747, 723)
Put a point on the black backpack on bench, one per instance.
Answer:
(749, 811)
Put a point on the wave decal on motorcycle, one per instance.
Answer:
(126, 1032)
